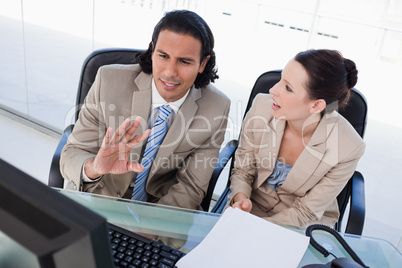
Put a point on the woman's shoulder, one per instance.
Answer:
(262, 98)
(351, 133)
(347, 136)
(261, 102)
(346, 127)
(261, 105)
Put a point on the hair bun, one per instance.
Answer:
(351, 71)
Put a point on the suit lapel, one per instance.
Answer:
(270, 142)
(141, 101)
(311, 156)
(140, 106)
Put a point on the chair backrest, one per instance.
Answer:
(89, 69)
(97, 59)
(355, 112)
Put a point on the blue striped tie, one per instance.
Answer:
(156, 137)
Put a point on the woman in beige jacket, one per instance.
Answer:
(296, 153)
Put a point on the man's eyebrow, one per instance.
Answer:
(187, 59)
(161, 51)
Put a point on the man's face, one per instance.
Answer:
(176, 62)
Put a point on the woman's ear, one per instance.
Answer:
(318, 106)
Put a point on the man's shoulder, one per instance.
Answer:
(123, 73)
(134, 68)
(210, 92)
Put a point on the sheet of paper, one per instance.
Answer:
(240, 239)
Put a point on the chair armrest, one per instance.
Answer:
(221, 203)
(357, 210)
(55, 178)
(224, 156)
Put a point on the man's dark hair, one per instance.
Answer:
(188, 23)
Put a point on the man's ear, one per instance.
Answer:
(318, 106)
(203, 64)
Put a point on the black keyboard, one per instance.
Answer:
(133, 250)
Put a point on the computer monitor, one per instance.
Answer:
(56, 229)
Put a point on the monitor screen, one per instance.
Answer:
(57, 230)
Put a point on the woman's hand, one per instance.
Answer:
(242, 201)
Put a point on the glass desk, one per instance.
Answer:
(184, 229)
(181, 228)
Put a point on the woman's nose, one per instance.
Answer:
(273, 90)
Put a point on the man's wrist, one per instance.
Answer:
(88, 170)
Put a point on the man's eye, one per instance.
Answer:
(162, 56)
(185, 62)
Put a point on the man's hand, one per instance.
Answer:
(242, 202)
(112, 157)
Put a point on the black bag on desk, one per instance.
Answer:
(337, 262)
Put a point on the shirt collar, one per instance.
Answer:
(157, 99)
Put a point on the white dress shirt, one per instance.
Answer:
(157, 101)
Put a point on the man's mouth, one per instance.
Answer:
(169, 84)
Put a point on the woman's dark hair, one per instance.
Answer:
(331, 76)
(188, 23)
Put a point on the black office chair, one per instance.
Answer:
(353, 193)
(89, 69)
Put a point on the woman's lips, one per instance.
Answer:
(275, 106)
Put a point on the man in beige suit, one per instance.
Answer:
(104, 152)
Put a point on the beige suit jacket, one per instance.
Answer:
(185, 161)
(308, 194)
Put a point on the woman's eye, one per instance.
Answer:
(288, 89)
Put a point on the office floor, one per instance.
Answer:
(32, 150)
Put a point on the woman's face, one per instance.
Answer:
(291, 101)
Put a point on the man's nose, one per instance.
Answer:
(171, 69)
